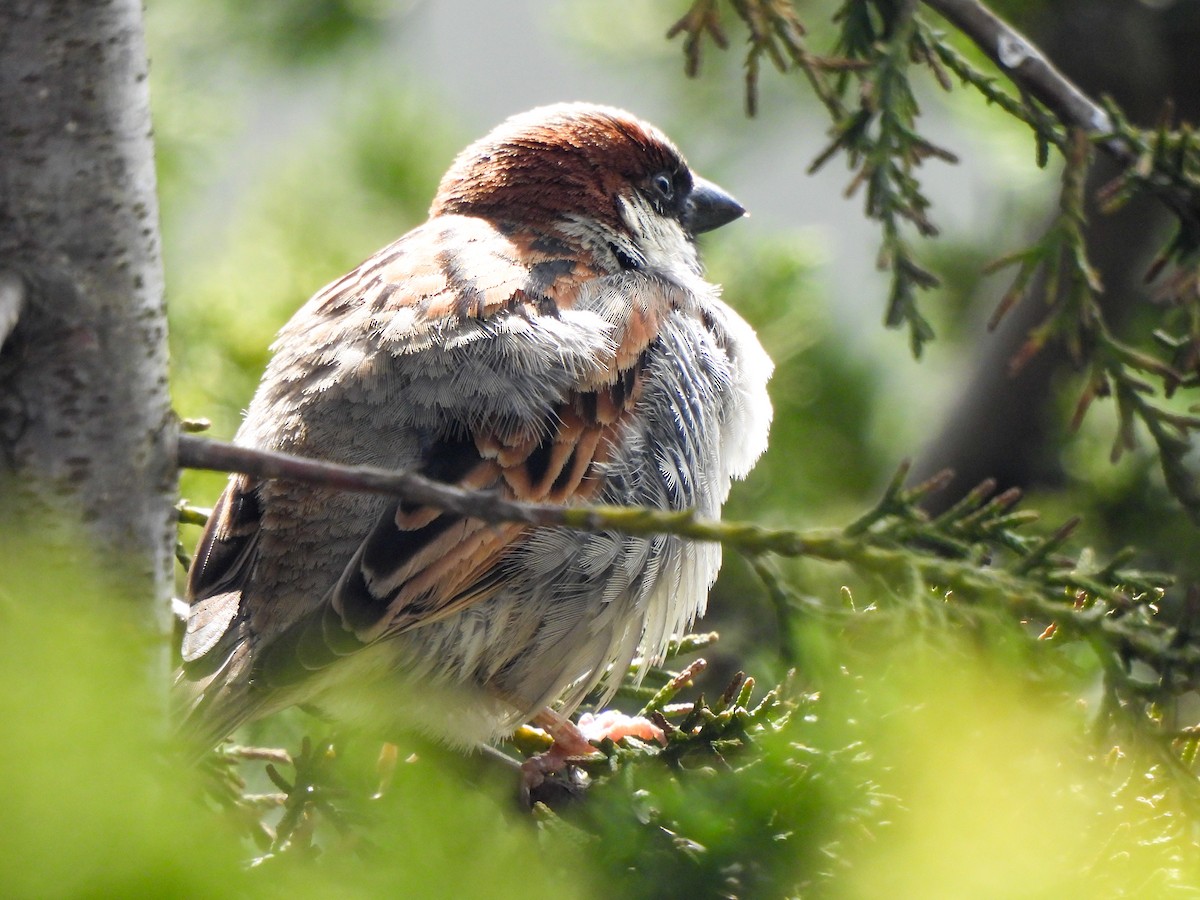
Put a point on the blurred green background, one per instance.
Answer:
(296, 138)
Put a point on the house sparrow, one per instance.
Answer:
(546, 334)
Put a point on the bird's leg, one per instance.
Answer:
(569, 743)
(574, 742)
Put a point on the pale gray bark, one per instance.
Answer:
(86, 435)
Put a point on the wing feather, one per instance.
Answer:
(223, 561)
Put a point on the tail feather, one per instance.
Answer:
(211, 707)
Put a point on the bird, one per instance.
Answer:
(548, 335)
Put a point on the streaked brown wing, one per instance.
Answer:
(419, 565)
(223, 561)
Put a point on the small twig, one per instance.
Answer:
(186, 514)
(205, 453)
(882, 552)
(276, 755)
(668, 691)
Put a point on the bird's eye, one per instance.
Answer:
(663, 184)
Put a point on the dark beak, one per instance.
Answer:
(709, 207)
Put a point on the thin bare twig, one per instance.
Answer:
(879, 547)
(206, 453)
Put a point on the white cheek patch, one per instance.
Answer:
(659, 241)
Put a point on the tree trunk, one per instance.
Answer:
(86, 432)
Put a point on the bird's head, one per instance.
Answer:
(592, 174)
